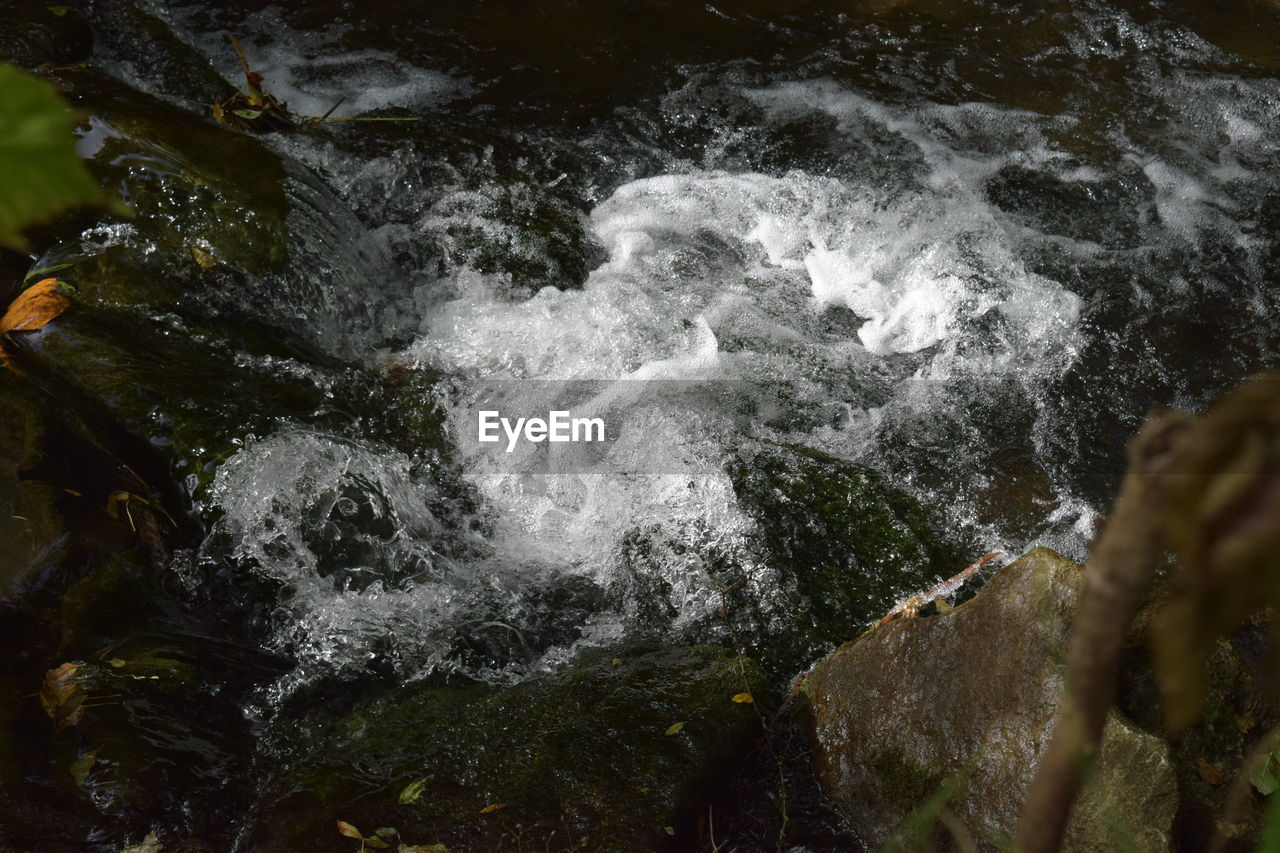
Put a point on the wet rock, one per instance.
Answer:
(240, 279)
(583, 753)
(141, 45)
(845, 543)
(971, 696)
(35, 34)
(1208, 755)
(224, 229)
(158, 721)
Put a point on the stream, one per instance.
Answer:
(953, 252)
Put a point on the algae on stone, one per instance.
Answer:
(975, 692)
(845, 542)
(584, 751)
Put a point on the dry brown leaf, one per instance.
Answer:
(203, 258)
(348, 830)
(62, 696)
(1210, 773)
(34, 308)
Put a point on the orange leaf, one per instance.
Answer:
(743, 698)
(62, 695)
(348, 830)
(493, 807)
(35, 307)
(1210, 773)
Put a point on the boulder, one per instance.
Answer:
(240, 280)
(622, 751)
(844, 541)
(967, 700)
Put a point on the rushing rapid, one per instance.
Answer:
(962, 282)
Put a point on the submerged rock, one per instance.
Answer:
(844, 541)
(617, 753)
(968, 698)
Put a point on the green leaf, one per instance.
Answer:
(81, 766)
(674, 729)
(385, 832)
(248, 114)
(412, 791)
(1265, 778)
(43, 175)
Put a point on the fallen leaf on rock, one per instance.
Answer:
(492, 807)
(203, 258)
(674, 729)
(81, 766)
(62, 695)
(1210, 773)
(1265, 776)
(412, 791)
(743, 698)
(35, 307)
(349, 831)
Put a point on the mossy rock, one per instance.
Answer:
(584, 753)
(845, 542)
(1239, 709)
(37, 34)
(223, 229)
(148, 48)
(969, 698)
(228, 302)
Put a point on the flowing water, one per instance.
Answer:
(967, 244)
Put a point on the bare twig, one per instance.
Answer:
(244, 60)
(1119, 571)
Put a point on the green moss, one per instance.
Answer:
(907, 782)
(585, 750)
(846, 543)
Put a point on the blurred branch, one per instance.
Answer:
(1208, 489)
(1118, 573)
